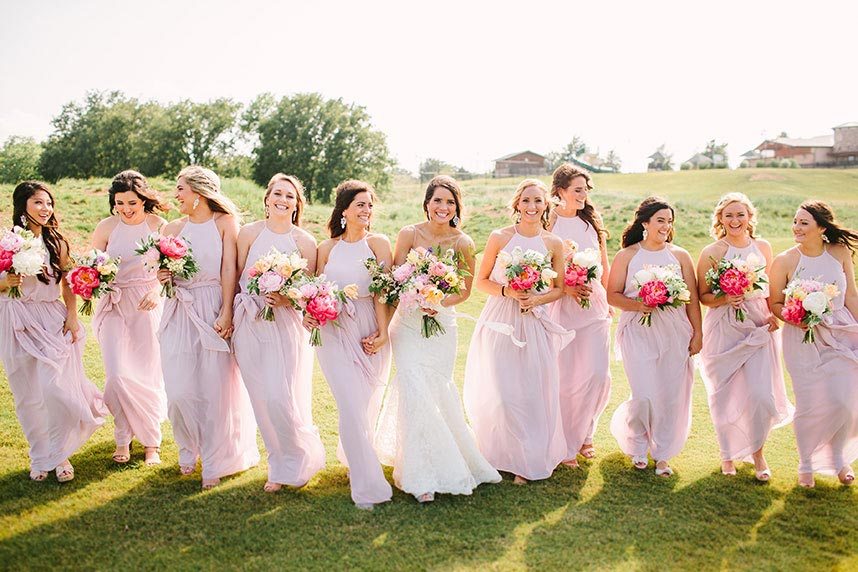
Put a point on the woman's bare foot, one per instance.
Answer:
(571, 463)
(728, 468)
(38, 476)
(426, 497)
(806, 481)
(209, 484)
(187, 469)
(519, 480)
(587, 451)
(65, 472)
(272, 487)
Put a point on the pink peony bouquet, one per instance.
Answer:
(322, 300)
(660, 287)
(737, 277)
(91, 277)
(807, 303)
(526, 271)
(21, 253)
(274, 272)
(423, 281)
(582, 267)
(171, 253)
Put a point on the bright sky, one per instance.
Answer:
(462, 81)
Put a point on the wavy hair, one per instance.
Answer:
(50, 231)
(823, 214)
(717, 231)
(206, 183)
(299, 189)
(633, 233)
(516, 197)
(451, 185)
(132, 181)
(345, 194)
(561, 179)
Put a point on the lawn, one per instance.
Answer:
(604, 515)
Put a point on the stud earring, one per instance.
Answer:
(343, 221)
(456, 220)
(196, 204)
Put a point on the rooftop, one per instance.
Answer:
(820, 141)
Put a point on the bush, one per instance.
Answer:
(685, 166)
(721, 165)
(703, 166)
(760, 164)
(785, 164)
(793, 164)
(744, 164)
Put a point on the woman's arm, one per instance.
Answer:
(380, 246)
(708, 259)
(692, 309)
(617, 284)
(228, 226)
(404, 243)
(71, 324)
(466, 248)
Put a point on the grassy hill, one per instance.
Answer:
(604, 515)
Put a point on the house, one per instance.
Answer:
(658, 161)
(839, 149)
(701, 161)
(845, 150)
(524, 163)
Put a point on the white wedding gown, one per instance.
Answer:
(422, 431)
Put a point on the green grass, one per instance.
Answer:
(602, 516)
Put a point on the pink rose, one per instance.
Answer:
(6, 260)
(793, 311)
(11, 241)
(173, 246)
(438, 269)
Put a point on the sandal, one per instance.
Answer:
(152, 456)
(665, 472)
(587, 451)
(728, 469)
(187, 469)
(65, 472)
(272, 487)
(520, 481)
(367, 506)
(805, 480)
(38, 476)
(209, 484)
(122, 456)
(571, 463)
(763, 476)
(426, 497)
(640, 462)
(846, 475)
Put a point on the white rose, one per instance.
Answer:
(504, 258)
(28, 262)
(815, 303)
(643, 276)
(548, 274)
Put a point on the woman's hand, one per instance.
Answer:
(644, 309)
(71, 326)
(164, 276)
(580, 292)
(736, 301)
(310, 323)
(373, 342)
(774, 324)
(429, 311)
(13, 279)
(696, 343)
(223, 325)
(276, 299)
(149, 301)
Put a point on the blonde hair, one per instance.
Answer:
(516, 197)
(299, 189)
(718, 231)
(206, 183)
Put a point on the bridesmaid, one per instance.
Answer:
(41, 346)
(511, 382)
(126, 320)
(585, 375)
(657, 359)
(275, 359)
(824, 373)
(422, 430)
(741, 359)
(208, 405)
(355, 355)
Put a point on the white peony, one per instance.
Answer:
(29, 262)
(816, 303)
(643, 276)
(504, 258)
(548, 274)
(588, 258)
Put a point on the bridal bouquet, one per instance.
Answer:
(660, 287)
(22, 253)
(91, 277)
(582, 267)
(274, 272)
(322, 300)
(807, 303)
(382, 283)
(737, 277)
(425, 279)
(171, 253)
(526, 271)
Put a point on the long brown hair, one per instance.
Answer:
(451, 185)
(50, 234)
(130, 180)
(345, 195)
(561, 179)
(633, 233)
(831, 229)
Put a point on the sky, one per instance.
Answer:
(465, 82)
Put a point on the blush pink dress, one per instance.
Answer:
(276, 364)
(57, 406)
(208, 405)
(134, 384)
(825, 377)
(657, 416)
(357, 380)
(585, 375)
(512, 393)
(742, 372)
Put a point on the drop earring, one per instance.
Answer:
(343, 222)
(517, 217)
(196, 204)
(267, 212)
(645, 233)
(24, 221)
(825, 238)
(456, 220)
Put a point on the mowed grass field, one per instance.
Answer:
(604, 516)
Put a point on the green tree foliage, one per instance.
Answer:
(613, 161)
(717, 152)
(572, 150)
(321, 141)
(19, 160)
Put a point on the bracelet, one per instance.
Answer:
(503, 291)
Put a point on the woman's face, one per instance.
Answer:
(805, 229)
(359, 213)
(282, 201)
(659, 225)
(129, 207)
(735, 218)
(40, 208)
(185, 196)
(442, 206)
(575, 195)
(532, 204)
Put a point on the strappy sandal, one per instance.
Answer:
(152, 456)
(846, 475)
(763, 476)
(665, 472)
(520, 481)
(640, 462)
(426, 497)
(272, 487)
(588, 451)
(806, 484)
(728, 471)
(120, 457)
(571, 463)
(65, 472)
(38, 476)
(187, 469)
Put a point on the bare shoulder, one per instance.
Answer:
(839, 251)
(304, 237)
(464, 243)
(106, 226)
(377, 240)
(225, 221)
(624, 255)
(175, 227)
(715, 250)
(326, 246)
(680, 253)
(786, 259)
(551, 240)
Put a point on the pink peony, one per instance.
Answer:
(793, 311)
(11, 241)
(403, 272)
(173, 246)
(6, 260)
(270, 282)
(575, 275)
(734, 282)
(526, 279)
(83, 280)
(654, 293)
(323, 308)
(438, 269)
(308, 291)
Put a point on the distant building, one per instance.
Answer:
(658, 161)
(593, 163)
(701, 161)
(522, 164)
(839, 149)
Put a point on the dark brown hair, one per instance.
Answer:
(561, 179)
(633, 233)
(135, 182)
(345, 194)
(824, 217)
(451, 185)
(50, 235)
(299, 189)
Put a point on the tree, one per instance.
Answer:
(322, 142)
(663, 161)
(572, 150)
(613, 161)
(717, 152)
(19, 160)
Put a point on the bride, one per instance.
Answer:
(422, 431)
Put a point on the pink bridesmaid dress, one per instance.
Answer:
(511, 391)
(57, 406)
(825, 378)
(357, 380)
(207, 403)
(276, 364)
(134, 384)
(742, 372)
(657, 416)
(585, 375)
